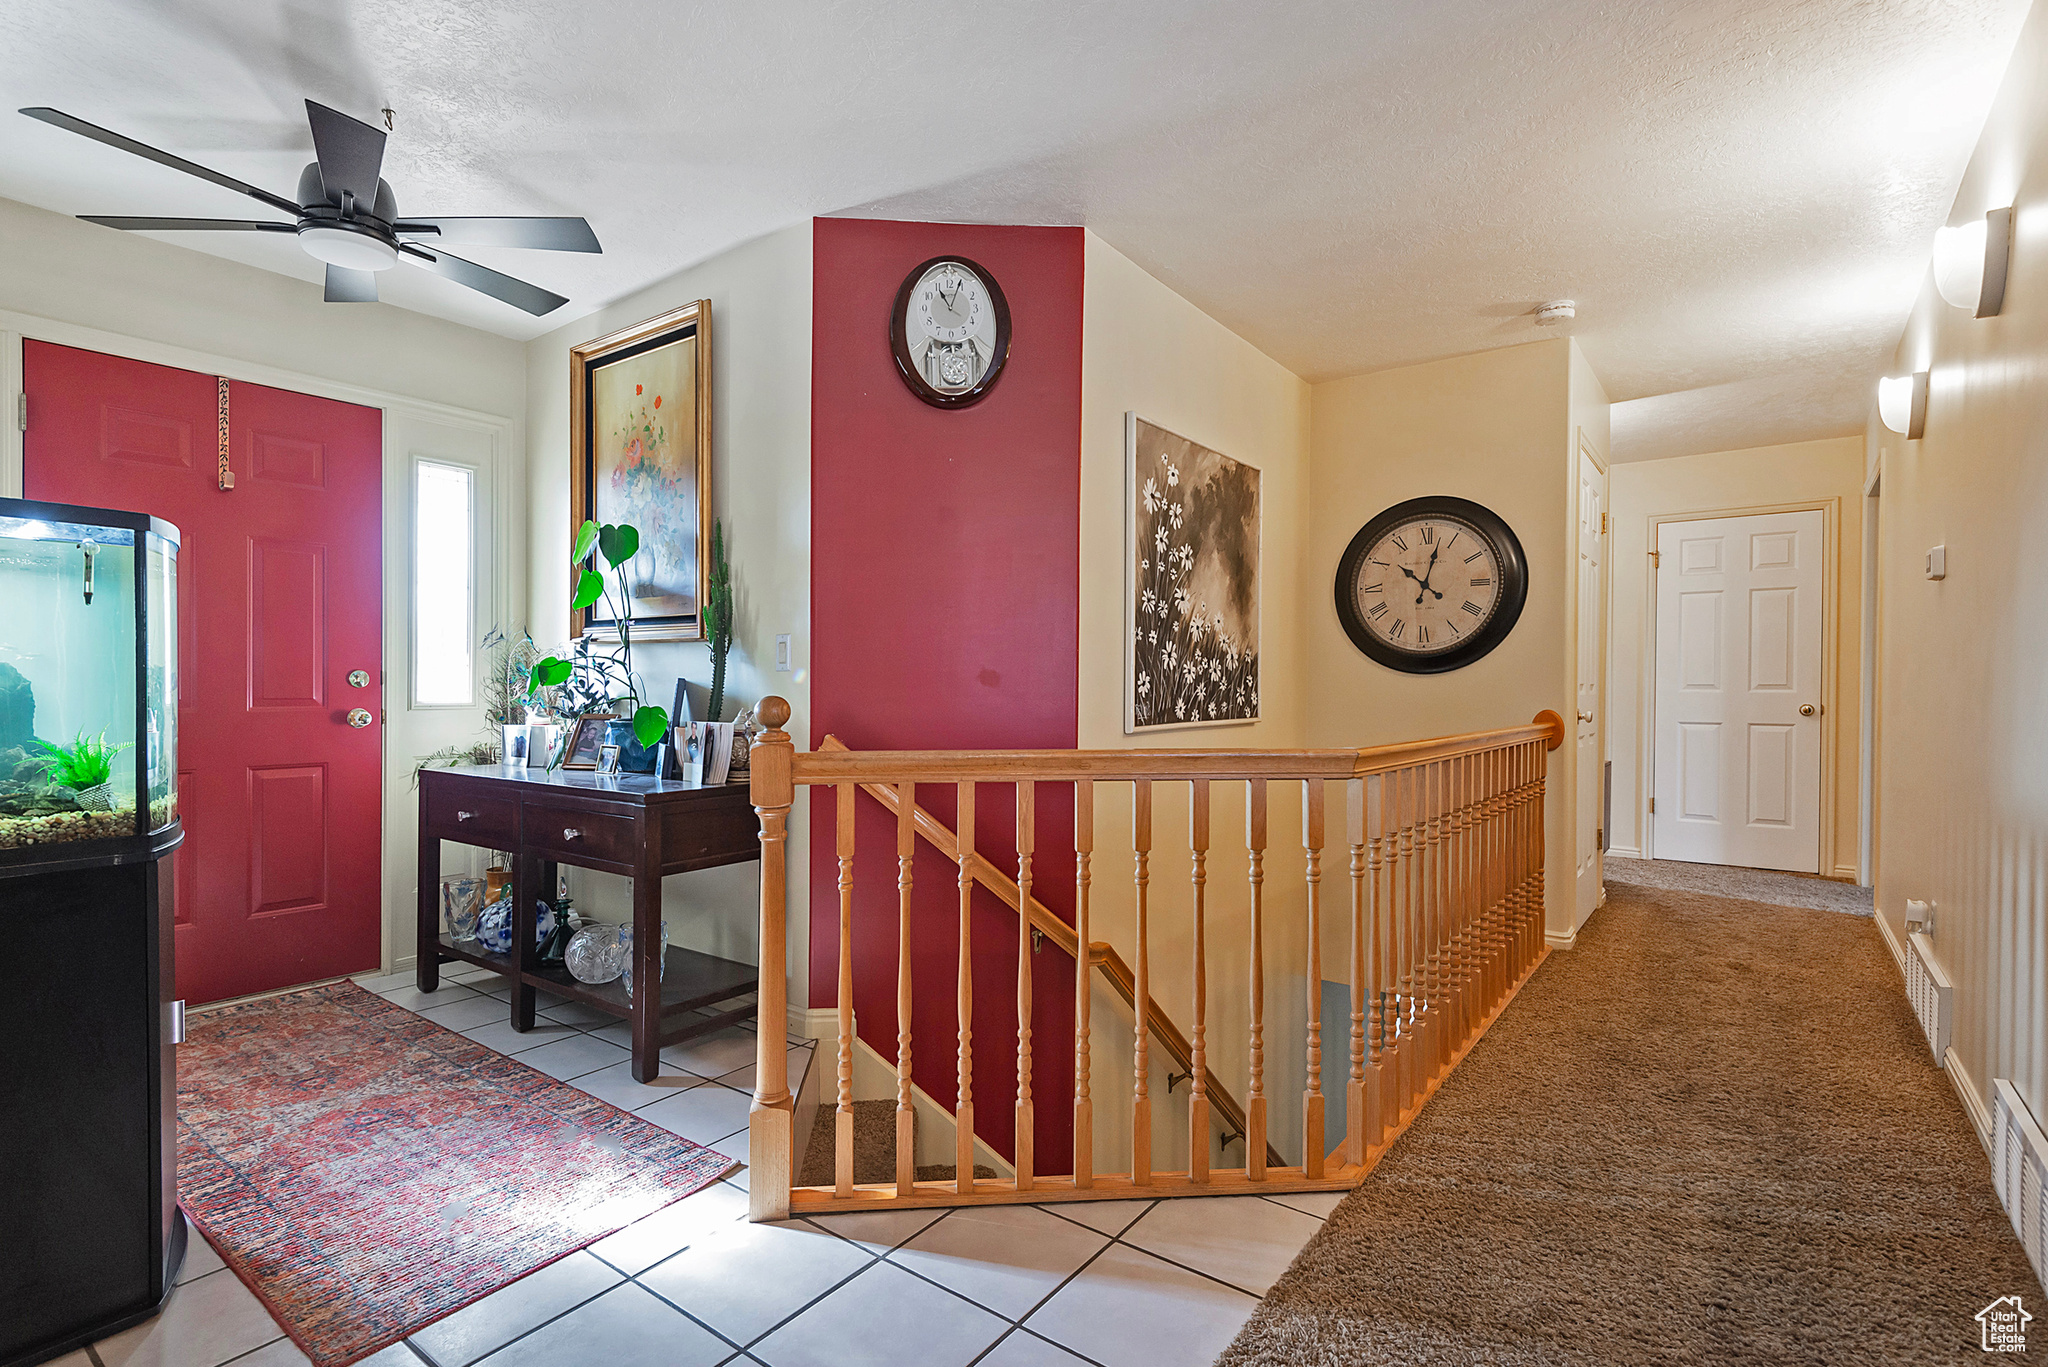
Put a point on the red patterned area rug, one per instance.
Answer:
(367, 1172)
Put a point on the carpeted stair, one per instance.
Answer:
(874, 1148)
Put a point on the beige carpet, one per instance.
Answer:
(1756, 885)
(874, 1148)
(1709, 1134)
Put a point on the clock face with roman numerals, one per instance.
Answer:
(1431, 585)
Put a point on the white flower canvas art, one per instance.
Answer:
(1191, 643)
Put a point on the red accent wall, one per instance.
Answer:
(945, 589)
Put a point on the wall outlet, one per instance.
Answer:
(1937, 562)
(782, 654)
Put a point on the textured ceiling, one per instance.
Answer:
(1739, 195)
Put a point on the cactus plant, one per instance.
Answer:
(718, 618)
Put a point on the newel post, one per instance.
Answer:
(769, 1139)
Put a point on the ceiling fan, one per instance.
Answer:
(348, 217)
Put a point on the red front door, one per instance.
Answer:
(280, 599)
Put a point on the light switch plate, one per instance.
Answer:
(1937, 563)
(782, 654)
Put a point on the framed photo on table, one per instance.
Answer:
(585, 745)
(640, 452)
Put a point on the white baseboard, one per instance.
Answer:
(1973, 1100)
(818, 1022)
(1891, 941)
(1845, 873)
(1624, 852)
(1569, 940)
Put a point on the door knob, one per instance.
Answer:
(359, 678)
(1585, 716)
(1806, 709)
(359, 717)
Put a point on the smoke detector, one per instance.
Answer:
(1555, 312)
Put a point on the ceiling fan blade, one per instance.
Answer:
(179, 225)
(541, 234)
(350, 152)
(345, 286)
(57, 118)
(517, 293)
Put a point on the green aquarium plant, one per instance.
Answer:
(88, 762)
(718, 618)
(610, 676)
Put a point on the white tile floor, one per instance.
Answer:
(1116, 1283)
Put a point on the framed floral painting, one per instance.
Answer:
(1191, 639)
(640, 452)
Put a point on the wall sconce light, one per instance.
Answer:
(1902, 404)
(1971, 261)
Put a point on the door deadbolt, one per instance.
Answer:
(359, 678)
(359, 717)
(1806, 709)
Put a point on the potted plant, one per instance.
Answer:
(594, 677)
(507, 698)
(718, 619)
(86, 767)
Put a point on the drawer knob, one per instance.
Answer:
(571, 833)
(465, 816)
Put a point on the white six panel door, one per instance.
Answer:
(1738, 658)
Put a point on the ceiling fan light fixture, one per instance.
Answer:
(354, 249)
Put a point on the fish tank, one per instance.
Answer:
(88, 681)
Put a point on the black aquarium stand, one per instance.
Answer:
(90, 1238)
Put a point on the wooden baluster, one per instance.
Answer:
(1141, 1063)
(769, 1151)
(1537, 920)
(1354, 1090)
(1475, 949)
(1255, 1093)
(1403, 997)
(1440, 911)
(1432, 943)
(1455, 945)
(906, 1114)
(1312, 1139)
(1084, 1105)
(1530, 907)
(1376, 911)
(1499, 934)
(842, 1120)
(963, 1102)
(1198, 1050)
(1027, 827)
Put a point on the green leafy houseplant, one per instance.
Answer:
(718, 618)
(85, 763)
(616, 545)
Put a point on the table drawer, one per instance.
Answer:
(574, 834)
(492, 822)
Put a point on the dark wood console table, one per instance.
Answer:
(631, 824)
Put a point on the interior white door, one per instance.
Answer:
(1592, 667)
(1739, 691)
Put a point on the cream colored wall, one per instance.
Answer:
(1496, 427)
(760, 297)
(1963, 707)
(1148, 350)
(1811, 473)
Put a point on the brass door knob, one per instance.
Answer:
(1806, 709)
(359, 717)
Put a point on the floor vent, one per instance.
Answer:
(2019, 1165)
(1931, 993)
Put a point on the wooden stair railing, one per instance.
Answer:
(1101, 953)
(1446, 842)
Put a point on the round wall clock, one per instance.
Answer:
(1431, 585)
(950, 332)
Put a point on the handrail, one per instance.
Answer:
(1101, 954)
(1050, 766)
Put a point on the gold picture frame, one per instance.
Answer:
(637, 397)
